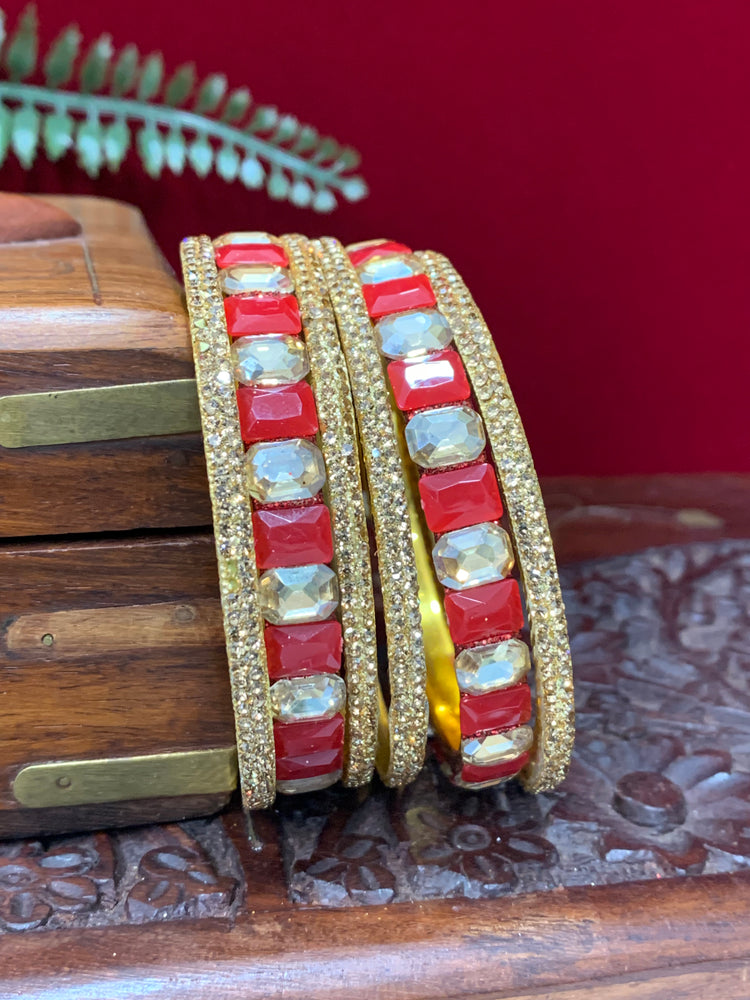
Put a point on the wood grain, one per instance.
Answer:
(94, 309)
(516, 947)
(105, 689)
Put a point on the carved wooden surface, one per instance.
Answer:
(659, 787)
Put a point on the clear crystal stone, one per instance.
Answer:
(279, 471)
(364, 244)
(389, 268)
(497, 665)
(469, 557)
(319, 696)
(406, 334)
(448, 435)
(497, 747)
(255, 278)
(293, 595)
(270, 359)
(295, 786)
(232, 239)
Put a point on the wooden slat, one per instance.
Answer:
(525, 946)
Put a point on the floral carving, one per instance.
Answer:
(66, 880)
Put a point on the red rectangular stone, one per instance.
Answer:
(457, 498)
(263, 313)
(414, 292)
(496, 710)
(472, 774)
(307, 749)
(251, 253)
(484, 612)
(281, 411)
(382, 248)
(301, 650)
(433, 380)
(292, 536)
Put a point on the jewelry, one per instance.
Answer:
(305, 539)
(451, 399)
(404, 722)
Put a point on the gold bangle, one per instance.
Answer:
(442, 355)
(555, 715)
(298, 527)
(345, 494)
(404, 723)
(233, 524)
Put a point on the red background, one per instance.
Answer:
(585, 164)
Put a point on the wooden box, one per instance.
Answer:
(110, 629)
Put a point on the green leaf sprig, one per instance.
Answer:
(98, 103)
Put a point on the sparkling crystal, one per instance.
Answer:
(497, 665)
(273, 359)
(279, 471)
(446, 436)
(319, 696)
(497, 747)
(297, 594)
(378, 269)
(230, 239)
(296, 786)
(473, 556)
(408, 334)
(255, 278)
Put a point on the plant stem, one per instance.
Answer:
(161, 114)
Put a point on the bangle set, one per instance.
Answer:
(339, 384)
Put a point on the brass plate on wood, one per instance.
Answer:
(122, 779)
(107, 413)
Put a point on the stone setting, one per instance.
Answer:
(483, 713)
(414, 292)
(243, 278)
(492, 667)
(434, 380)
(473, 556)
(299, 650)
(497, 748)
(361, 252)
(449, 435)
(410, 334)
(308, 749)
(292, 536)
(318, 696)
(457, 498)
(270, 359)
(390, 267)
(278, 411)
(251, 253)
(284, 471)
(249, 314)
(484, 612)
(294, 595)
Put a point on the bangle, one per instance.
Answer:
(465, 446)
(404, 723)
(302, 527)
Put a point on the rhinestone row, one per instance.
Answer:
(554, 725)
(338, 434)
(407, 714)
(233, 524)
